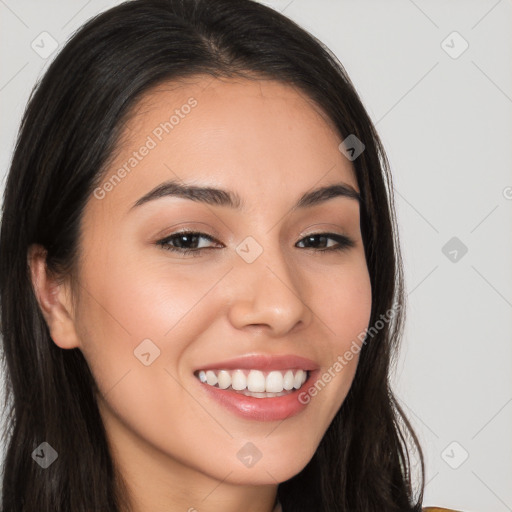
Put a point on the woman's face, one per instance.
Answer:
(257, 302)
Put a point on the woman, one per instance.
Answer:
(213, 289)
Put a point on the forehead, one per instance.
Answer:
(258, 137)
(224, 91)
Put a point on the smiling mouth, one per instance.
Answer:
(255, 383)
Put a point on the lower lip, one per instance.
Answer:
(262, 409)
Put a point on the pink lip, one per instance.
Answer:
(262, 409)
(263, 362)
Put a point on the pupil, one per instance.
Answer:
(189, 238)
(312, 238)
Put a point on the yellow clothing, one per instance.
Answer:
(437, 509)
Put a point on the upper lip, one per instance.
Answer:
(262, 362)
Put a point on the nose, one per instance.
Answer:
(269, 295)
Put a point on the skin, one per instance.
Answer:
(176, 447)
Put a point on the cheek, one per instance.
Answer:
(138, 308)
(136, 300)
(343, 304)
(343, 301)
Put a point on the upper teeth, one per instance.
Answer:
(254, 380)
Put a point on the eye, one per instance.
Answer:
(343, 242)
(188, 242)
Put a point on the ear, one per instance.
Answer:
(54, 299)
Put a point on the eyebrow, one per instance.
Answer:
(221, 197)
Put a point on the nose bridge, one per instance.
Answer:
(268, 292)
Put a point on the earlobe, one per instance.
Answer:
(53, 298)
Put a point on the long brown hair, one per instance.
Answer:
(69, 130)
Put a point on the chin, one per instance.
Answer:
(268, 471)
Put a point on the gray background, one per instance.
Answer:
(445, 119)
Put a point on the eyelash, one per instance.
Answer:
(343, 241)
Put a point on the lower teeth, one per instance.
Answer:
(255, 394)
(263, 394)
